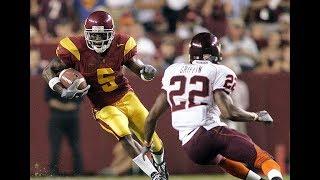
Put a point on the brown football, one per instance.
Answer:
(67, 76)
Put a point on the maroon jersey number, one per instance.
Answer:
(182, 79)
(230, 82)
(203, 93)
(179, 92)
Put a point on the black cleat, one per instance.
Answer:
(162, 169)
(157, 176)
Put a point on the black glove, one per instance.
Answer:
(72, 90)
(148, 72)
(264, 116)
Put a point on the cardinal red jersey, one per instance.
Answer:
(102, 71)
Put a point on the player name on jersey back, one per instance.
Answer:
(190, 69)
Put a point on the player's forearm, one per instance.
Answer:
(145, 72)
(156, 111)
(150, 127)
(51, 71)
(135, 65)
(240, 115)
(229, 110)
(49, 74)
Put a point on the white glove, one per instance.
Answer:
(72, 90)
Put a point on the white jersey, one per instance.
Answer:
(190, 90)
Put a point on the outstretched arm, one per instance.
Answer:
(234, 113)
(146, 72)
(158, 108)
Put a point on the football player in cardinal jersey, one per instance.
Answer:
(199, 95)
(99, 56)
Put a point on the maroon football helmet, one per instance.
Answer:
(205, 46)
(99, 31)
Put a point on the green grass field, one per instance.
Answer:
(181, 177)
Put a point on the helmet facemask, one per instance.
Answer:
(98, 38)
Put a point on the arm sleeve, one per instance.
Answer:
(65, 56)
(165, 80)
(68, 52)
(130, 49)
(224, 79)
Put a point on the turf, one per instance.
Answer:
(180, 177)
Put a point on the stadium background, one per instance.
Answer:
(161, 29)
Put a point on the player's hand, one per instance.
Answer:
(148, 72)
(145, 149)
(264, 116)
(72, 90)
(84, 91)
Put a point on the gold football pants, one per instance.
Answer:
(125, 116)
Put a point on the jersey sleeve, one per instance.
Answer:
(68, 52)
(224, 79)
(165, 80)
(130, 49)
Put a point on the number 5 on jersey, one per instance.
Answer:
(107, 78)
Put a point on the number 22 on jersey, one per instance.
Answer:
(107, 79)
(191, 94)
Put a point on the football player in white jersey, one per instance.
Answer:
(199, 95)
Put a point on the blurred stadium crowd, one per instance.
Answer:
(255, 33)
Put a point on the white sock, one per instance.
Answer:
(158, 158)
(274, 173)
(252, 176)
(145, 165)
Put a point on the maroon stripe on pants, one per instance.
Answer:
(205, 145)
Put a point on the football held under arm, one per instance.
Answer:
(62, 61)
(65, 53)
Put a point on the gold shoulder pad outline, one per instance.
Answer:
(130, 44)
(71, 47)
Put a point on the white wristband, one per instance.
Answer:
(53, 82)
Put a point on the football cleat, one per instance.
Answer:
(162, 168)
(157, 176)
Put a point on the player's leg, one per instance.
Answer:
(137, 114)
(267, 164)
(235, 168)
(204, 148)
(251, 154)
(115, 122)
(72, 134)
(55, 137)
